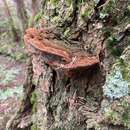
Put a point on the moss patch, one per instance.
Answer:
(87, 13)
(59, 129)
(54, 2)
(34, 127)
(33, 101)
(119, 113)
(112, 42)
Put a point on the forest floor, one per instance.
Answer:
(12, 77)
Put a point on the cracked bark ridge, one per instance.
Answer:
(69, 61)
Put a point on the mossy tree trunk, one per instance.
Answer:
(53, 100)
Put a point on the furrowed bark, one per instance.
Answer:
(70, 59)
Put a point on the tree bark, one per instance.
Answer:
(35, 7)
(21, 12)
(56, 99)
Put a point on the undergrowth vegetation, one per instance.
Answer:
(11, 92)
(7, 76)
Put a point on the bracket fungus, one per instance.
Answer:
(69, 61)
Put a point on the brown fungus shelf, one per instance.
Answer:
(72, 62)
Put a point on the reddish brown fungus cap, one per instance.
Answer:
(34, 38)
(39, 41)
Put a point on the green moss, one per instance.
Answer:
(125, 71)
(81, 1)
(112, 116)
(109, 9)
(116, 52)
(124, 67)
(65, 80)
(34, 127)
(126, 114)
(54, 2)
(112, 42)
(127, 11)
(67, 32)
(35, 81)
(87, 13)
(107, 31)
(59, 129)
(120, 114)
(69, 2)
(33, 101)
(69, 12)
(126, 119)
(129, 40)
(55, 19)
(128, 7)
(119, 111)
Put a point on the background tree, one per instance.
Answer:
(35, 7)
(21, 12)
(11, 22)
